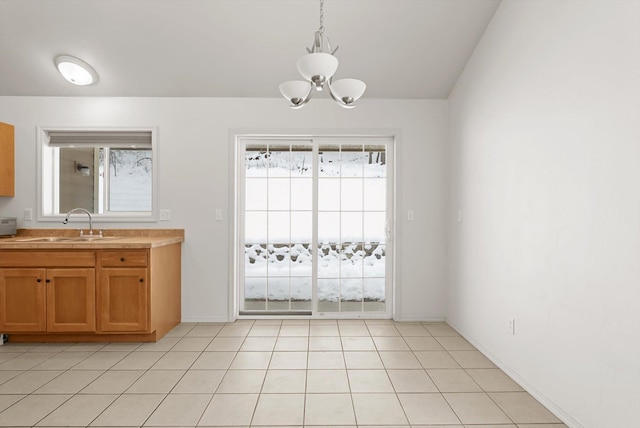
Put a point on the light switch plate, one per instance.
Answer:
(165, 215)
(218, 214)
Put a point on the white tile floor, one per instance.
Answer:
(267, 373)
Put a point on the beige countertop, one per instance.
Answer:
(28, 239)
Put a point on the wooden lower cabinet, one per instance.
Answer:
(71, 300)
(128, 295)
(22, 300)
(52, 300)
(124, 298)
(124, 291)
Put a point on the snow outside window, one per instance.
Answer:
(313, 219)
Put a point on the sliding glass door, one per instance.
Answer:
(278, 226)
(314, 226)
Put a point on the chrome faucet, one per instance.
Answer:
(66, 219)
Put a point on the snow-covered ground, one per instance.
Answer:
(348, 272)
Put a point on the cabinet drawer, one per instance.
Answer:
(123, 258)
(45, 259)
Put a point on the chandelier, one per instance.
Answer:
(318, 68)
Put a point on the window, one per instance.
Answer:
(109, 173)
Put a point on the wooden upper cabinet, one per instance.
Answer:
(7, 160)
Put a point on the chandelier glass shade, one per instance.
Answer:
(318, 68)
(347, 91)
(297, 92)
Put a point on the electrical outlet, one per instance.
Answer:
(512, 325)
(460, 216)
(28, 214)
(218, 214)
(165, 215)
(410, 215)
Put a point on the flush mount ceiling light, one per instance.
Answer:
(75, 70)
(318, 68)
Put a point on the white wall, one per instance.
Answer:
(545, 165)
(194, 180)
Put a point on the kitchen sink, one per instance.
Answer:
(45, 239)
(83, 238)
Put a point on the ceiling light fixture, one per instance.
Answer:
(318, 68)
(75, 70)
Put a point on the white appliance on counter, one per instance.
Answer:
(8, 226)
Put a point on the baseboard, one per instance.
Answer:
(224, 319)
(567, 419)
(436, 319)
(205, 319)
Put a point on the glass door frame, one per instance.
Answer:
(239, 141)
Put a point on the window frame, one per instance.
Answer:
(46, 167)
(236, 156)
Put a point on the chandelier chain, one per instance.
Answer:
(321, 18)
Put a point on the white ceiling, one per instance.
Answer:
(236, 48)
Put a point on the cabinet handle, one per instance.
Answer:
(47, 280)
(38, 280)
(141, 280)
(121, 259)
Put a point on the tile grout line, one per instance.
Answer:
(266, 372)
(404, 411)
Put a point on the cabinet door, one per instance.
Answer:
(124, 300)
(71, 297)
(7, 160)
(22, 300)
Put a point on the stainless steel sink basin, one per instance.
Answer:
(44, 239)
(84, 238)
